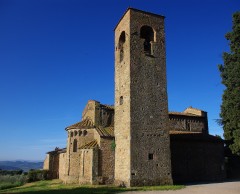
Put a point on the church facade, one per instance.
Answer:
(138, 141)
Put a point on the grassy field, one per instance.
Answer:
(56, 187)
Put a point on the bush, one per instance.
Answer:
(38, 175)
(9, 185)
(9, 181)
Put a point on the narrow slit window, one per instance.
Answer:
(121, 100)
(188, 128)
(74, 145)
(150, 156)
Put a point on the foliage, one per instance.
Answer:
(9, 181)
(113, 145)
(230, 73)
(11, 172)
(38, 175)
(56, 186)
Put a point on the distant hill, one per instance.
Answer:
(17, 165)
(3, 167)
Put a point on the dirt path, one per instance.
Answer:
(214, 188)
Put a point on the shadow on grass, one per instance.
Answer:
(57, 187)
(84, 190)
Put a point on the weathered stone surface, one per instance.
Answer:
(129, 144)
(140, 80)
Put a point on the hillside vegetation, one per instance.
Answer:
(56, 187)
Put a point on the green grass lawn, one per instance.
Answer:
(56, 187)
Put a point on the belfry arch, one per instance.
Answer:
(121, 42)
(147, 33)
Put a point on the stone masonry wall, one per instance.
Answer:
(142, 143)
(54, 165)
(81, 165)
(92, 111)
(197, 160)
(106, 117)
(62, 166)
(150, 146)
(106, 160)
(46, 163)
(86, 166)
(122, 112)
(188, 123)
(83, 136)
(73, 159)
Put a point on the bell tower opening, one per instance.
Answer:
(121, 42)
(147, 33)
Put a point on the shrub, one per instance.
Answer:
(9, 181)
(9, 185)
(37, 175)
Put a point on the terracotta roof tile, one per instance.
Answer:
(105, 132)
(90, 145)
(84, 124)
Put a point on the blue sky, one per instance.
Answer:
(55, 55)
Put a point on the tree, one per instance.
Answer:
(230, 73)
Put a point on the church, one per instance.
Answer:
(138, 141)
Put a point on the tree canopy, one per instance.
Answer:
(230, 73)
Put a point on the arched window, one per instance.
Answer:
(74, 145)
(84, 133)
(147, 33)
(75, 133)
(80, 133)
(121, 42)
(71, 134)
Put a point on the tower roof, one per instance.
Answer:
(140, 11)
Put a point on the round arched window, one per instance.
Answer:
(121, 42)
(75, 133)
(84, 133)
(80, 133)
(147, 33)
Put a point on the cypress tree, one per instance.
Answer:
(230, 74)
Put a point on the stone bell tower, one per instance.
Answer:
(142, 154)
